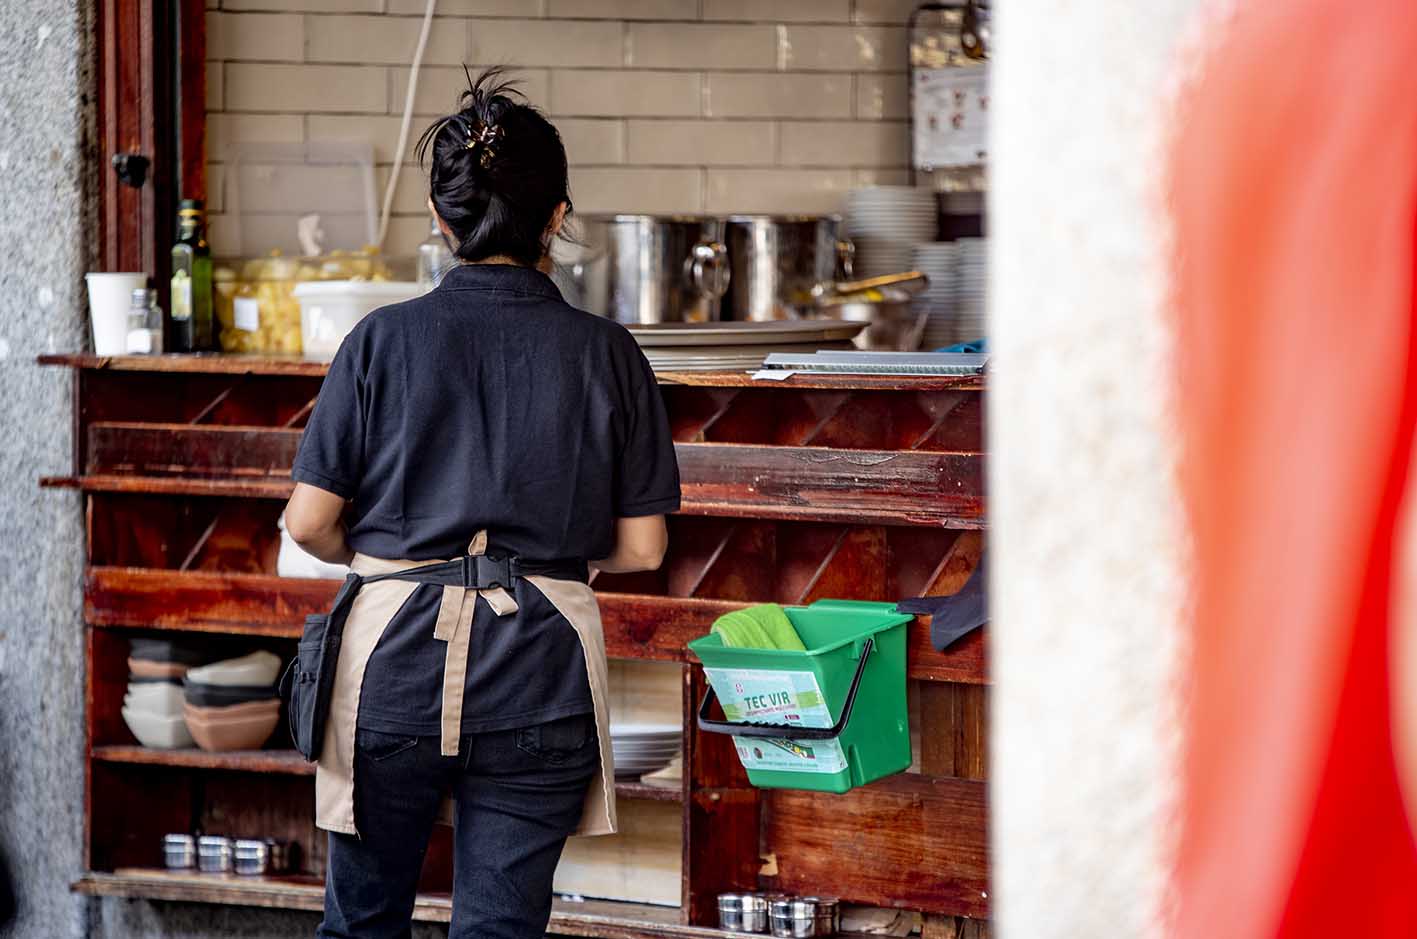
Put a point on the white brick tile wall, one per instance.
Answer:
(226, 129)
(593, 141)
(843, 143)
(214, 86)
(518, 8)
(624, 9)
(313, 6)
(665, 106)
(693, 45)
(597, 190)
(776, 190)
(384, 40)
(625, 93)
(882, 11)
(842, 48)
(702, 143)
(881, 96)
(255, 37)
(439, 88)
(547, 42)
(382, 129)
(774, 95)
(306, 88)
(779, 11)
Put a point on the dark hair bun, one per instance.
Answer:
(497, 172)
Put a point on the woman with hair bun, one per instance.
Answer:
(473, 453)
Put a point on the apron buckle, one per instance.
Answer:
(484, 573)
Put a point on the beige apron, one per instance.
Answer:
(375, 605)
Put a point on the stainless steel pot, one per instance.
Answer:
(776, 261)
(645, 268)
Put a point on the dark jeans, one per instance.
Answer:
(518, 794)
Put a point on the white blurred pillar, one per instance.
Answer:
(1086, 538)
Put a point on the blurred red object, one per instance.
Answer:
(1294, 199)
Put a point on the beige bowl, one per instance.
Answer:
(244, 726)
(229, 712)
(142, 668)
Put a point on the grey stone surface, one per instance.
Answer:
(48, 214)
(45, 237)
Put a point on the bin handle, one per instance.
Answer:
(756, 729)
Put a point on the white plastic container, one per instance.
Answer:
(110, 295)
(329, 309)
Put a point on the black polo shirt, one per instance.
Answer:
(488, 403)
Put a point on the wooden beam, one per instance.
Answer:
(909, 841)
(637, 626)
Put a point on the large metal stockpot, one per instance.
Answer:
(776, 260)
(645, 268)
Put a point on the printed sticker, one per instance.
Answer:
(778, 697)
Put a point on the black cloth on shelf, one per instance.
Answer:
(958, 614)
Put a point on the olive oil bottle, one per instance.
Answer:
(191, 281)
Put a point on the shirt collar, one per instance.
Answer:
(511, 277)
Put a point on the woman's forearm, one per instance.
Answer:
(329, 544)
(315, 519)
(640, 544)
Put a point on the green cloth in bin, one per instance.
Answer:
(764, 626)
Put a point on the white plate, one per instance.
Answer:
(780, 332)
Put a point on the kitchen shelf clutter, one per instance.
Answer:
(846, 487)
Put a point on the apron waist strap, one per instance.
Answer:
(463, 580)
(479, 572)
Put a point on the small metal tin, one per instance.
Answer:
(743, 912)
(214, 854)
(827, 914)
(251, 856)
(795, 917)
(179, 852)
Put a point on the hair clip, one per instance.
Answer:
(485, 137)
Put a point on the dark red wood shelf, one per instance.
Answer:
(853, 487)
(288, 762)
(223, 364)
(637, 626)
(592, 918)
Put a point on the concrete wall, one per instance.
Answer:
(45, 244)
(1088, 554)
(665, 105)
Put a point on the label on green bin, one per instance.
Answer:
(798, 756)
(778, 697)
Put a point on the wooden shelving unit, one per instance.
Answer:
(832, 486)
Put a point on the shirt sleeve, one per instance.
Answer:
(331, 453)
(649, 469)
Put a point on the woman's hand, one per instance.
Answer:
(314, 518)
(639, 545)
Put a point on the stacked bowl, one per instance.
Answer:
(152, 706)
(643, 748)
(233, 704)
(936, 260)
(885, 223)
(971, 289)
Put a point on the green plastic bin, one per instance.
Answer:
(793, 717)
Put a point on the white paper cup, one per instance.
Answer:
(110, 296)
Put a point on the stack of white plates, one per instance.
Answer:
(644, 748)
(733, 346)
(937, 259)
(885, 223)
(971, 289)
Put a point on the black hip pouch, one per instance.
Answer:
(309, 681)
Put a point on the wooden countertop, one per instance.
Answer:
(294, 365)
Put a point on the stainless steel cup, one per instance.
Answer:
(179, 852)
(743, 912)
(214, 854)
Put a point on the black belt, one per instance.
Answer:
(480, 572)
